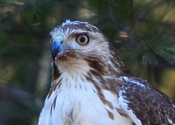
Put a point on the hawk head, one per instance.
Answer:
(78, 47)
(90, 82)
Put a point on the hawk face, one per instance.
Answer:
(76, 46)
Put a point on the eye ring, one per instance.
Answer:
(82, 39)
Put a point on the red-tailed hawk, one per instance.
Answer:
(90, 84)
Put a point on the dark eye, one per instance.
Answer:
(82, 39)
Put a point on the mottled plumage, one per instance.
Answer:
(91, 86)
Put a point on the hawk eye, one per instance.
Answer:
(82, 39)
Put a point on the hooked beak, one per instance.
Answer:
(57, 47)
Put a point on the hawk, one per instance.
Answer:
(91, 86)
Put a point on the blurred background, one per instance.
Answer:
(142, 32)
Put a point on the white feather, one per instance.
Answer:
(80, 105)
(124, 104)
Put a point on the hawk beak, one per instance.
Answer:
(57, 47)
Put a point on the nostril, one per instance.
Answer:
(59, 39)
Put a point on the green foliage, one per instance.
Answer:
(156, 47)
(110, 16)
(24, 29)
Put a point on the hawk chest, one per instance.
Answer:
(76, 102)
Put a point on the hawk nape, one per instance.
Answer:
(90, 84)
